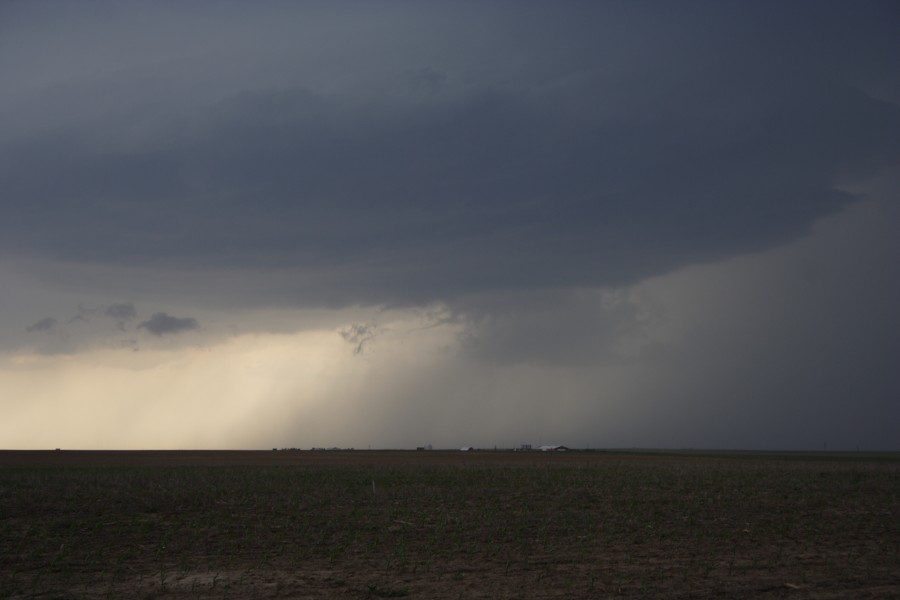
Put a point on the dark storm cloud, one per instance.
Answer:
(162, 324)
(419, 159)
(45, 324)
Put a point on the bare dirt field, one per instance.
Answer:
(373, 524)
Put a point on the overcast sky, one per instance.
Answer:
(604, 224)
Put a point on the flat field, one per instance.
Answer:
(438, 525)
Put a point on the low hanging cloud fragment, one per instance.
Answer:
(84, 315)
(163, 324)
(44, 325)
(124, 311)
(359, 335)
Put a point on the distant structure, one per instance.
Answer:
(466, 449)
(553, 448)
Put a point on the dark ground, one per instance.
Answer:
(372, 524)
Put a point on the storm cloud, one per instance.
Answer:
(595, 160)
(606, 223)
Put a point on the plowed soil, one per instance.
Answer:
(373, 524)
